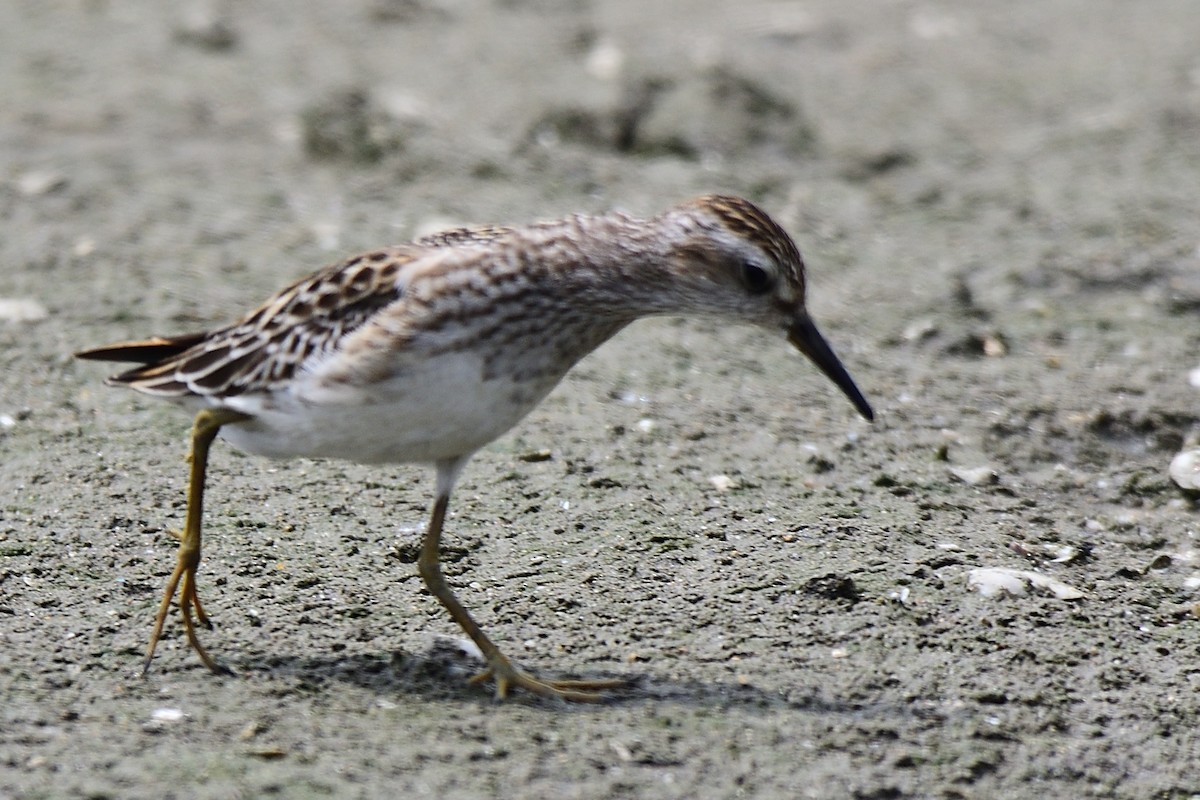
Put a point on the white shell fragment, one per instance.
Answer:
(1063, 554)
(976, 476)
(20, 309)
(994, 346)
(722, 483)
(921, 329)
(605, 60)
(165, 715)
(1185, 469)
(992, 581)
(39, 182)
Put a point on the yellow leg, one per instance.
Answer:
(499, 668)
(204, 430)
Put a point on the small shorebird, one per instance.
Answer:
(427, 351)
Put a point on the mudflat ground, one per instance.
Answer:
(998, 205)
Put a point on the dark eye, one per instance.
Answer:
(756, 279)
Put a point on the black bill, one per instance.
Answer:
(808, 340)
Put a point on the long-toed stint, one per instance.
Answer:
(427, 351)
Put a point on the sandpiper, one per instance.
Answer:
(427, 351)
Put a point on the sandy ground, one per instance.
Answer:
(998, 207)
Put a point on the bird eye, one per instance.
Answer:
(756, 279)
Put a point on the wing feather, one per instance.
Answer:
(266, 347)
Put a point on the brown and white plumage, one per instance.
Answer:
(261, 351)
(427, 351)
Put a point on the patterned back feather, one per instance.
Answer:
(263, 350)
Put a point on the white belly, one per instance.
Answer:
(432, 410)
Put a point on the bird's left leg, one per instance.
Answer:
(208, 423)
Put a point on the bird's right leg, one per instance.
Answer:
(500, 669)
(208, 423)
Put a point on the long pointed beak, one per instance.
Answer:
(808, 340)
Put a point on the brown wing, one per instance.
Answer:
(265, 348)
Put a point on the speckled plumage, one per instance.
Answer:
(427, 351)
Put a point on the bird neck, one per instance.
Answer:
(615, 267)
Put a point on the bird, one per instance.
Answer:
(424, 352)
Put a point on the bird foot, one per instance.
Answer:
(505, 675)
(183, 581)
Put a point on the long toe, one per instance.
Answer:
(507, 676)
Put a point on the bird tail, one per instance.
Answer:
(144, 351)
